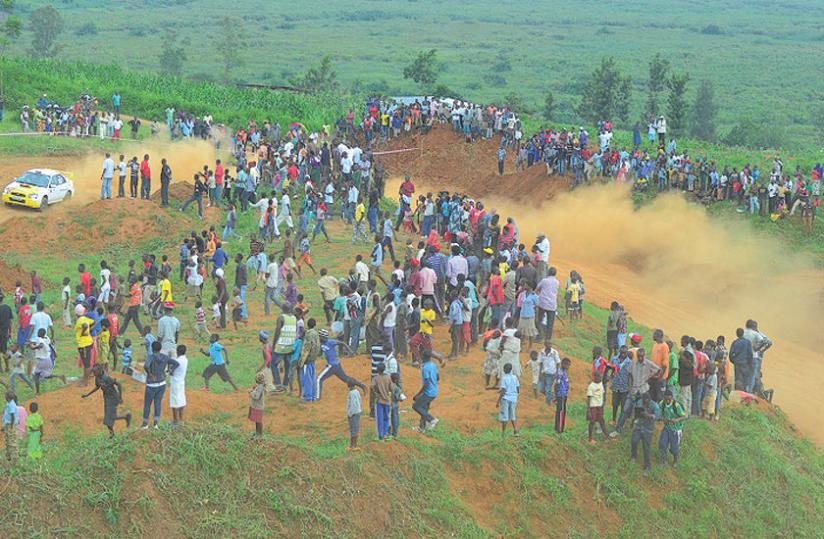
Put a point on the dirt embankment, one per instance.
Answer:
(444, 160)
(670, 263)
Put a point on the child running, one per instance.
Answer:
(112, 397)
(219, 357)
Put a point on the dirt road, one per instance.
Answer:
(185, 158)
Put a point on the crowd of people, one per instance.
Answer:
(440, 262)
(660, 164)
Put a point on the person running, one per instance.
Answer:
(112, 398)
(329, 348)
(219, 359)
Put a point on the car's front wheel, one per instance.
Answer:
(68, 195)
(44, 203)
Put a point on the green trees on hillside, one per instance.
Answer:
(704, 111)
(10, 27)
(422, 69)
(46, 26)
(231, 45)
(657, 83)
(318, 79)
(549, 106)
(677, 103)
(607, 93)
(172, 53)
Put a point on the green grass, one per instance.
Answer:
(748, 476)
(760, 59)
(147, 95)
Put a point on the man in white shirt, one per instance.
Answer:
(549, 360)
(106, 176)
(361, 269)
(352, 201)
(270, 291)
(542, 244)
(285, 214)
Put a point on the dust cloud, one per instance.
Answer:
(676, 268)
(185, 158)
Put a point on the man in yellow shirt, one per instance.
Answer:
(83, 336)
(423, 339)
(165, 290)
(359, 229)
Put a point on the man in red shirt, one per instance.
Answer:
(219, 173)
(145, 178)
(495, 295)
(23, 324)
(405, 201)
(85, 279)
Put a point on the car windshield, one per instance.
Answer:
(38, 179)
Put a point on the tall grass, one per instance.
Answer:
(148, 95)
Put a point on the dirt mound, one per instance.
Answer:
(181, 190)
(444, 159)
(124, 220)
(9, 275)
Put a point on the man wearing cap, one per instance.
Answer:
(168, 331)
(542, 247)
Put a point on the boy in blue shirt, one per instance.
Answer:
(148, 339)
(508, 400)
(126, 357)
(329, 349)
(219, 358)
(428, 393)
(561, 391)
(10, 421)
(294, 361)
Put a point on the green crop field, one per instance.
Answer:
(763, 58)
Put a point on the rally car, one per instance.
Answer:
(39, 188)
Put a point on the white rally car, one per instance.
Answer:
(39, 188)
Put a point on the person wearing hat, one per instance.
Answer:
(168, 331)
(329, 348)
